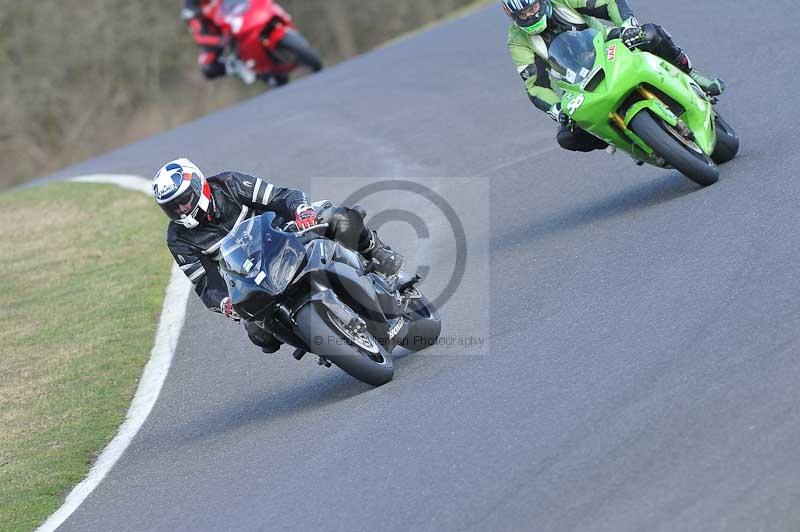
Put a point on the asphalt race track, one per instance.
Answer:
(642, 335)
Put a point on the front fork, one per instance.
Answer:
(275, 35)
(653, 103)
(277, 27)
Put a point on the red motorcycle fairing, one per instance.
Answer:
(245, 21)
(275, 36)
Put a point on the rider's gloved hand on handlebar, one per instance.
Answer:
(305, 217)
(631, 23)
(226, 306)
(633, 36)
(191, 13)
(558, 115)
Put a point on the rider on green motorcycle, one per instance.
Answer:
(537, 22)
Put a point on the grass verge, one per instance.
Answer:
(82, 276)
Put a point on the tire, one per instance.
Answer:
(426, 325)
(296, 45)
(314, 322)
(281, 79)
(692, 163)
(727, 142)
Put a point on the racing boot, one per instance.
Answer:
(261, 338)
(711, 86)
(389, 262)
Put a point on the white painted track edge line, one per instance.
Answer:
(155, 372)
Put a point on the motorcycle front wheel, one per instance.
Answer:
(358, 354)
(296, 46)
(727, 142)
(426, 325)
(680, 153)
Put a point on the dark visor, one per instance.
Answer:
(530, 15)
(182, 205)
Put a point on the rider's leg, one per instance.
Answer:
(347, 226)
(389, 261)
(209, 62)
(577, 139)
(660, 42)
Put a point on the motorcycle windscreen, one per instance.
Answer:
(235, 7)
(259, 253)
(572, 55)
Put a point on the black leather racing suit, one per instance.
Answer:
(237, 197)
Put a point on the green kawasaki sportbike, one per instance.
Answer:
(639, 103)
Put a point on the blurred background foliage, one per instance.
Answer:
(80, 77)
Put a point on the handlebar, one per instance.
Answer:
(312, 228)
(291, 225)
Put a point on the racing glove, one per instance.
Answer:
(631, 23)
(633, 36)
(226, 307)
(558, 115)
(189, 13)
(305, 217)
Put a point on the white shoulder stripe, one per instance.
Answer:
(569, 15)
(242, 217)
(267, 194)
(192, 269)
(255, 189)
(190, 266)
(197, 275)
(540, 46)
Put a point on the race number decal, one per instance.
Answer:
(575, 104)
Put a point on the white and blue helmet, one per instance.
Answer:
(182, 192)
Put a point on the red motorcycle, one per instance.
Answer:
(264, 43)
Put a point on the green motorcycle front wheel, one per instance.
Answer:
(727, 142)
(680, 153)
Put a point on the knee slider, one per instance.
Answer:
(566, 139)
(213, 70)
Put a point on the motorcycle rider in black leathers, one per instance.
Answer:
(203, 211)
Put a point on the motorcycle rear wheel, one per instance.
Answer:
(683, 155)
(360, 356)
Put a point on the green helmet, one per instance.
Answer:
(529, 15)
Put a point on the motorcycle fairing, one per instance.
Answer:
(626, 82)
